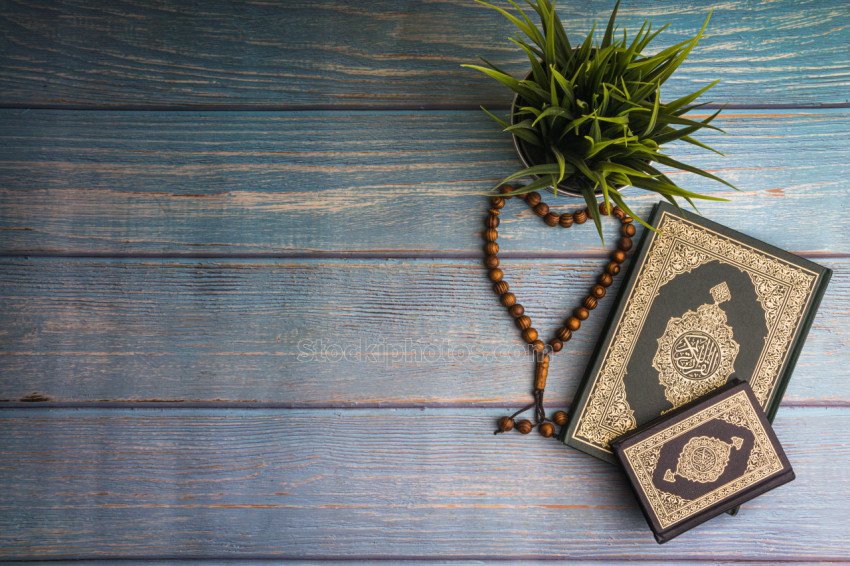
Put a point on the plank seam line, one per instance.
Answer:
(357, 108)
(714, 559)
(271, 405)
(371, 255)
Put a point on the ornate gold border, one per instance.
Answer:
(679, 246)
(669, 509)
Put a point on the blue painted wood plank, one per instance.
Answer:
(383, 54)
(429, 561)
(319, 332)
(354, 562)
(380, 484)
(388, 182)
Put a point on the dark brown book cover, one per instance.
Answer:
(700, 305)
(703, 459)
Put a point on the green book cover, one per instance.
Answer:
(701, 304)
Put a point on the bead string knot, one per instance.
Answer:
(572, 324)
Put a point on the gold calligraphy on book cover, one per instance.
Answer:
(697, 351)
(703, 459)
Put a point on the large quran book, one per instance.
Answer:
(701, 304)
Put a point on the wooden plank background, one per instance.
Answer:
(409, 483)
(309, 332)
(382, 53)
(340, 182)
(195, 197)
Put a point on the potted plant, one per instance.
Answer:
(589, 119)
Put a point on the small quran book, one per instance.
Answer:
(702, 459)
(700, 305)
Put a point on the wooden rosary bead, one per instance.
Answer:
(560, 418)
(508, 300)
(541, 209)
(529, 334)
(618, 256)
(524, 426)
(580, 313)
(506, 424)
(507, 189)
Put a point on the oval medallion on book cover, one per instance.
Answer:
(703, 459)
(696, 353)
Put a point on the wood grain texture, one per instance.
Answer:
(377, 562)
(319, 332)
(386, 182)
(430, 561)
(382, 53)
(327, 193)
(404, 483)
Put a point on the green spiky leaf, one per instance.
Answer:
(596, 113)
